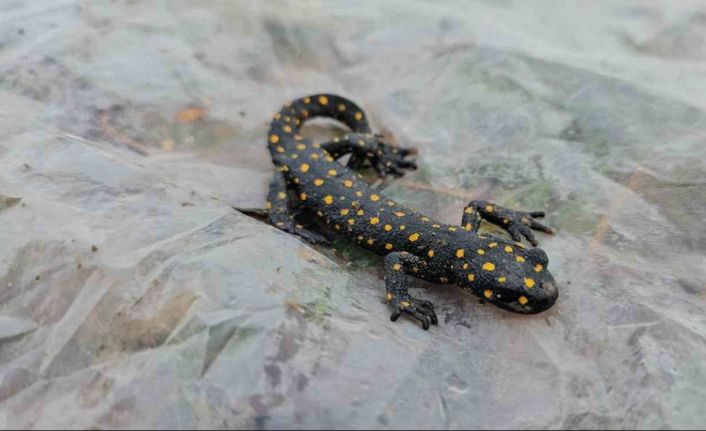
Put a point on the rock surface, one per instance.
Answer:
(132, 294)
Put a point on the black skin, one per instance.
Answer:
(501, 272)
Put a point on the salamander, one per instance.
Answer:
(310, 177)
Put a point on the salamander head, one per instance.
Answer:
(510, 277)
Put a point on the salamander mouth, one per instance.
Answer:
(534, 301)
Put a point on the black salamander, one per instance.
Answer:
(501, 272)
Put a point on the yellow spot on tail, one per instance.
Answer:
(480, 251)
(304, 167)
(374, 198)
(493, 244)
(301, 147)
(341, 107)
(522, 300)
(302, 196)
(287, 128)
(279, 149)
(388, 227)
(358, 115)
(489, 208)
(323, 100)
(471, 277)
(488, 293)
(460, 253)
(403, 227)
(388, 246)
(348, 183)
(519, 259)
(529, 283)
(430, 253)
(345, 211)
(399, 214)
(332, 172)
(414, 237)
(538, 267)
(397, 267)
(374, 220)
(328, 199)
(318, 182)
(359, 193)
(360, 212)
(274, 139)
(351, 221)
(501, 279)
(465, 265)
(489, 266)
(281, 195)
(508, 249)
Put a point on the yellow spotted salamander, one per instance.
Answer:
(501, 272)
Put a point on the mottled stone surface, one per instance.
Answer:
(133, 295)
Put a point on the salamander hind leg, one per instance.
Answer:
(281, 214)
(517, 223)
(368, 149)
(397, 266)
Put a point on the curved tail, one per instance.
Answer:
(289, 120)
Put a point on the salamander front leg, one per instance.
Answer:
(281, 214)
(366, 148)
(516, 223)
(397, 266)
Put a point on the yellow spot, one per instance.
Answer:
(274, 139)
(508, 249)
(425, 218)
(304, 167)
(268, 205)
(403, 227)
(307, 100)
(471, 277)
(430, 253)
(389, 297)
(328, 158)
(284, 169)
(301, 147)
(279, 149)
(294, 156)
(351, 221)
(460, 253)
(371, 241)
(345, 211)
(501, 279)
(328, 199)
(358, 115)
(493, 244)
(318, 182)
(278, 116)
(489, 208)
(480, 251)
(332, 172)
(399, 214)
(538, 267)
(374, 220)
(468, 210)
(522, 300)
(388, 246)
(488, 293)
(405, 304)
(287, 128)
(359, 193)
(298, 137)
(397, 267)
(360, 212)
(341, 107)
(281, 195)
(443, 279)
(374, 198)
(414, 237)
(348, 183)
(489, 266)
(465, 266)
(314, 156)
(323, 100)
(436, 226)
(388, 227)
(529, 283)
(302, 196)
(519, 259)
(468, 226)
(452, 229)
(391, 204)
